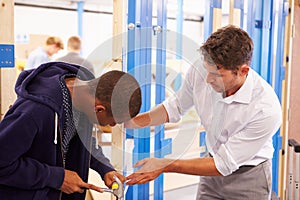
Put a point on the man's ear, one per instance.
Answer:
(244, 69)
(99, 108)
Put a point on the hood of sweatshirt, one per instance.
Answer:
(43, 84)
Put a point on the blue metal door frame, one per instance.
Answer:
(210, 5)
(139, 64)
(160, 76)
(279, 77)
(265, 34)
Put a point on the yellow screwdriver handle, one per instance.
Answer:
(114, 186)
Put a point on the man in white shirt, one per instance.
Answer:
(240, 113)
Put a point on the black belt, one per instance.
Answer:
(244, 168)
(247, 166)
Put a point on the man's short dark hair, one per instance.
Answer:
(120, 93)
(229, 47)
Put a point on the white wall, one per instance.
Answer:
(97, 28)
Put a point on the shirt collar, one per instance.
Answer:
(244, 94)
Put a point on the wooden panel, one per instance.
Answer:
(217, 19)
(293, 108)
(294, 111)
(285, 103)
(7, 75)
(23, 50)
(234, 14)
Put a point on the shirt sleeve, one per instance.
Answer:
(181, 101)
(41, 59)
(17, 132)
(257, 133)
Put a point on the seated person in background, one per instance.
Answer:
(73, 55)
(41, 54)
(46, 138)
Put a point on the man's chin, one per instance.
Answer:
(217, 89)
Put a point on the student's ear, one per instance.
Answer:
(244, 69)
(99, 108)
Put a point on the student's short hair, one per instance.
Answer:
(74, 42)
(119, 92)
(228, 47)
(55, 40)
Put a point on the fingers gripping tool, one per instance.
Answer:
(117, 189)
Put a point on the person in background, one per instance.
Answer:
(46, 138)
(239, 111)
(73, 55)
(42, 54)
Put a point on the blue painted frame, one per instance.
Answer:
(262, 30)
(208, 16)
(80, 11)
(279, 77)
(139, 64)
(239, 4)
(160, 90)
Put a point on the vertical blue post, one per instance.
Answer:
(262, 30)
(179, 27)
(131, 51)
(208, 19)
(209, 14)
(160, 89)
(266, 53)
(239, 4)
(279, 76)
(131, 20)
(202, 140)
(261, 38)
(80, 11)
(250, 17)
(256, 35)
(140, 58)
(279, 71)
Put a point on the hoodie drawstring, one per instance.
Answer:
(96, 136)
(55, 129)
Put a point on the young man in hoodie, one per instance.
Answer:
(46, 136)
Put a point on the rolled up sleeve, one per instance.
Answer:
(250, 146)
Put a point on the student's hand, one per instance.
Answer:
(151, 168)
(109, 178)
(73, 183)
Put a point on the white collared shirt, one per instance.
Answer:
(239, 127)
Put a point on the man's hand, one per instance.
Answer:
(151, 168)
(73, 183)
(109, 178)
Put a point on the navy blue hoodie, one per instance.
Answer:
(31, 159)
